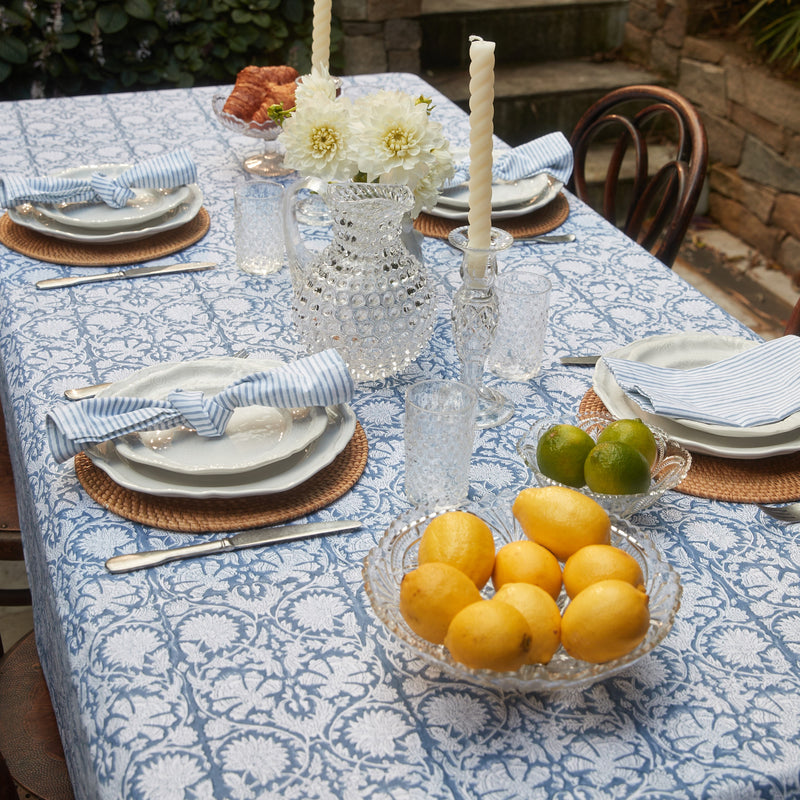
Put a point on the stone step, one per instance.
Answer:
(524, 30)
(534, 99)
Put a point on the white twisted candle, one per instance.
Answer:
(321, 34)
(481, 128)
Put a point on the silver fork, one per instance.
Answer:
(788, 513)
(85, 392)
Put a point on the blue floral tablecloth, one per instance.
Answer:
(265, 673)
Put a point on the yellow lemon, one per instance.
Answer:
(605, 621)
(489, 635)
(527, 562)
(542, 615)
(462, 540)
(431, 595)
(598, 562)
(562, 520)
(633, 432)
(616, 468)
(561, 451)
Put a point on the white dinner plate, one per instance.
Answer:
(27, 216)
(145, 205)
(504, 195)
(255, 436)
(539, 191)
(278, 477)
(686, 351)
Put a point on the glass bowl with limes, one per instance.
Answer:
(553, 451)
(396, 555)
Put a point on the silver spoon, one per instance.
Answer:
(789, 513)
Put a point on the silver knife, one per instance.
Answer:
(134, 272)
(254, 538)
(556, 238)
(581, 361)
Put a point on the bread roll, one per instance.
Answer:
(258, 88)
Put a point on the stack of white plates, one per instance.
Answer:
(509, 198)
(513, 199)
(264, 450)
(149, 212)
(688, 351)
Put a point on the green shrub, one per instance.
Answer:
(777, 30)
(67, 47)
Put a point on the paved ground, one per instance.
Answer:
(737, 278)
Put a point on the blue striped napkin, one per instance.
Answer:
(318, 380)
(756, 387)
(551, 154)
(166, 171)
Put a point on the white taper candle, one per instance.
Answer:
(481, 128)
(321, 35)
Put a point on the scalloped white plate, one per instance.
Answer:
(146, 205)
(255, 436)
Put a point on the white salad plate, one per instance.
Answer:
(504, 194)
(687, 351)
(255, 436)
(146, 205)
(278, 477)
(527, 194)
(29, 217)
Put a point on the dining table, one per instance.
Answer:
(266, 673)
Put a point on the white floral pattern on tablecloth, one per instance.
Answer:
(264, 673)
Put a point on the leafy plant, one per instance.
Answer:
(779, 32)
(67, 47)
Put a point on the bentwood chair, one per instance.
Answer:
(793, 325)
(658, 209)
(10, 536)
(31, 755)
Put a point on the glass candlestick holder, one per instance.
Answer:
(474, 317)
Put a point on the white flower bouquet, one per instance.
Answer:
(385, 137)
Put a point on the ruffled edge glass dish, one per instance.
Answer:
(268, 162)
(396, 554)
(671, 466)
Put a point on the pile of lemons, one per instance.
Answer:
(619, 462)
(607, 614)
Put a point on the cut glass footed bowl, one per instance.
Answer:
(396, 554)
(670, 468)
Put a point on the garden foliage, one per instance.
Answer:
(68, 47)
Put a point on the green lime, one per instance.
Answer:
(633, 432)
(561, 451)
(616, 468)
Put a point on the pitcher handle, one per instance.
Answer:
(296, 251)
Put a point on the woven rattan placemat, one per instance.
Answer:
(192, 515)
(77, 254)
(775, 479)
(540, 221)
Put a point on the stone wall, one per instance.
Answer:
(380, 35)
(752, 119)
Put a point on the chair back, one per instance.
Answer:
(10, 536)
(793, 325)
(660, 205)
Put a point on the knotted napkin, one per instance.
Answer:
(756, 387)
(318, 380)
(166, 171)
(551, 154)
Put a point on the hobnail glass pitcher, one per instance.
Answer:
(366, 292)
